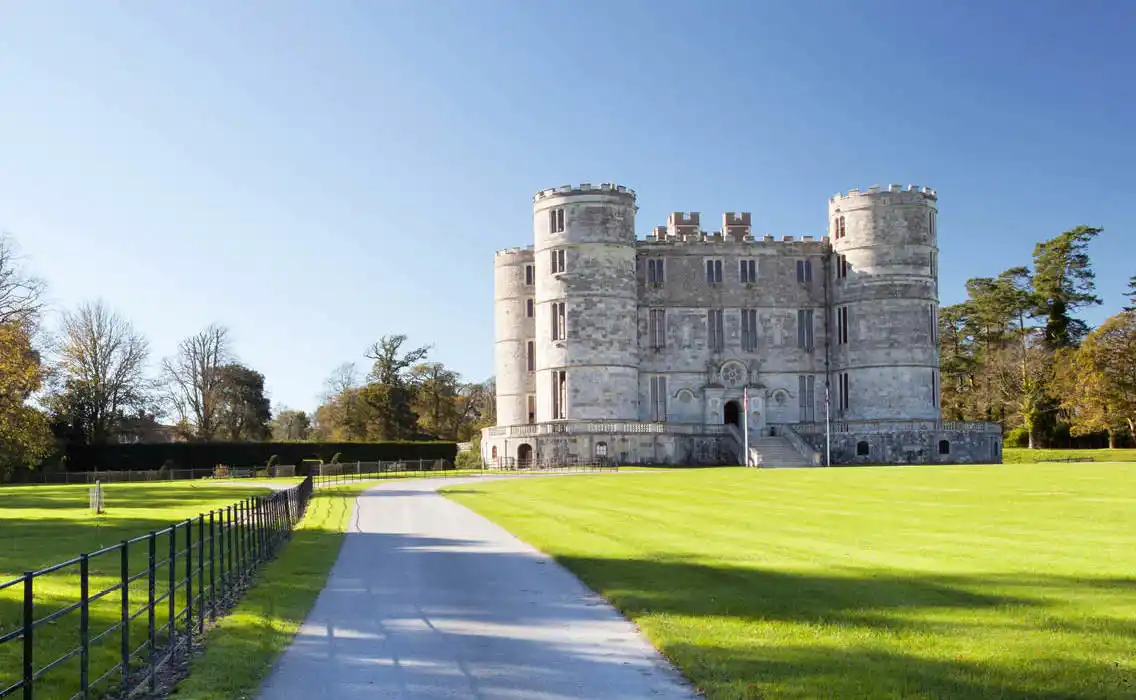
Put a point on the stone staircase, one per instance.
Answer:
(778, 452)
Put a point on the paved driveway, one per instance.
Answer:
(429, 600)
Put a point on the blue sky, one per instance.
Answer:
(316, 175)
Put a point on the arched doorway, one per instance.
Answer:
(524, 455)
(732, 413)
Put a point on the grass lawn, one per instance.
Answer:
(45, 525)
(1005, 582)
(1019, 455)
(240, 650)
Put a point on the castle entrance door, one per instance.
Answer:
(524, 455)
(732, 414)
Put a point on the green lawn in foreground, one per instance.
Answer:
(44, 525)
(240, 651)
(933, 582)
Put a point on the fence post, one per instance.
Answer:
(229, 548)
(241, 539)
(172, 602)
(201, 571)
(125, 615)
(188, 584)
(84, 627)
(151, 615)
(29, 627)
(212, 569)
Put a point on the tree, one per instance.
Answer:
(391, 363)
(194, 380)
(436, 399)
(21, 294)
(290, 425)
(1104, 379)
(389, 396)
(243, 411)
(101, 371)
(1063, 281)
(25, 437)
(1131, 294)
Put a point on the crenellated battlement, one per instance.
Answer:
(585, 188)
(875, 190)
(518, 251)
(661, 235)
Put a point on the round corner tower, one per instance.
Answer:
(587, 354)
(884, 320)
(513, 306)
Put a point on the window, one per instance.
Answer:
(933, 320)
(842, 325)
(658, 398)
(841, 267)
(656, 272)
(842, 385)
(931, 223)
(559, 326)
(944, 447)
(530, 274)
(716, 335)
(530, 354)
(530, 308)
(804, 271)
(557, 261)
(657, 327)
(747, 271)
(838, 228)
(749, 330)
(601, 450)
(805, 329)
(806, 392)
(934, 388)
(532, 408)
(863, 449)
(494, 452)
(559, 393)
(933, 263)
(556, 220)
(713, 272)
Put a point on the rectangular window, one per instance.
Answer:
(559, 394)
(838, 227)
(559, 325)
(749, 330)
(841, 267)
(931, 224)
(556, 220)
(842, 325)
(713, 272)
(530, 308)
(531, 401)
(805, 329)
(933, 264)
(529, 275)
(804, 271)
(659, 398)
(656, 272)
(934, 388)
(657, 327)
(842, 384)
(716, 334)
(933, 319)
(557, 261)
(806, 390)
(747, 271)
(530, 353)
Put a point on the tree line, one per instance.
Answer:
(87, 379)
(1016, 351)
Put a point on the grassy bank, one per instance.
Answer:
(1018, 455)
(962, 582)
(240, 650)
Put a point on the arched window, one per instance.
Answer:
(494, 453)
(862, 448)
(944, 447)
(838, 227)
(601, 450)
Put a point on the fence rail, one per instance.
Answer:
(327, 474)
(167, 583)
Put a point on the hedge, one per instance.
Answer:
(206, 455)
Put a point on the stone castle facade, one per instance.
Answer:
(644, 351)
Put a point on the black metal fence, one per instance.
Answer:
(327, 474)
(117, 638)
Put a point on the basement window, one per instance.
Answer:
(863, 449)
(944, 447)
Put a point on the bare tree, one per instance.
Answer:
(342, 378)
(194, 379)
(102, 369)
(21, 295)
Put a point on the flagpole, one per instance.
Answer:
(745, 422)
(827, 430)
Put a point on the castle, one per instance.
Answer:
(616, 349)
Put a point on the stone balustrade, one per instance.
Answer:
(598, 426)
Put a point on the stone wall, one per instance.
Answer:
(912, 447)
